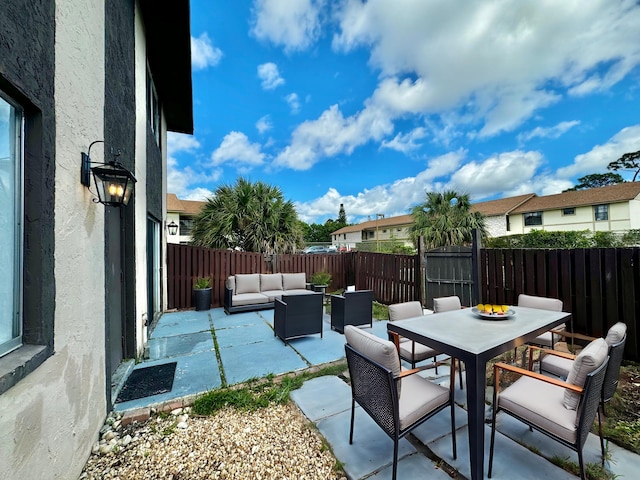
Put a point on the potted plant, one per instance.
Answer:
(320, 281)
(202, 293)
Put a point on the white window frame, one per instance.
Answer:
(15, 320)
(153, 107)
(532, 215)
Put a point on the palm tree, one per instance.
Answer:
(252, 217)
(445, 219)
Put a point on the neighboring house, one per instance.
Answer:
(181, 213)
(615, 208)
(80, 280)
(496, 213)
(380, 229)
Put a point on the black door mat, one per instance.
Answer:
(144, 382)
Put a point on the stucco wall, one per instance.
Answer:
(49, 420)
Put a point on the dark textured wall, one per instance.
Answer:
(120, 133)
(27, 35)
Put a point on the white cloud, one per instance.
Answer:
(294, 102)
(548, 132)
(292, 24)
(238, 150)
(499, 173)
(268, 73)
(597, 159)
(503, 62)
(405, 142)
(203, 53)
(264, 124)
(332, 134)
(179, 142)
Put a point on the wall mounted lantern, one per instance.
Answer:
(173, 228)
(114, 183)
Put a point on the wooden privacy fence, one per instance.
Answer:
(599, 286)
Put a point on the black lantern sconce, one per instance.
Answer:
(172, 227)
(114, 183)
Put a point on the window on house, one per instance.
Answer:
(11, 120)
(344, 236)
(186, 225)
(153, 108)
(601, 212)
(533, 218)
(384, 231)
(569, 211)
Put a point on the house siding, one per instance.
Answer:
(50, 417)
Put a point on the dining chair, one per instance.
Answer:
(561, 410)
(397, 400)
(447, 304)
(559, 365)
(409, 350)
(543, 303)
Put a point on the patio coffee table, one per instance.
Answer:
(464, 335)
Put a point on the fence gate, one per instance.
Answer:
(448, 271)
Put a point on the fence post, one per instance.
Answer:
(475, 265)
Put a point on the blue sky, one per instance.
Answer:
(371, 104)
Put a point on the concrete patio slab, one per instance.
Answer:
(177, 345)
(180, 323)
(312, 397)
(259, 359)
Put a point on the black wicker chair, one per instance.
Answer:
(541, 402)
(352, 308)
(297, 315)
(559, 364)
(398, 401)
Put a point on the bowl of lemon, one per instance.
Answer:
(493, 312)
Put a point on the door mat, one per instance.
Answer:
(144, 382)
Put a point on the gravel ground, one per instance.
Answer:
(273, 443)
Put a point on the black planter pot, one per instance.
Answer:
(202, 299)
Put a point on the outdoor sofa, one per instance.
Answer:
(257, 291)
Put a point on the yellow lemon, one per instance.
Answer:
(480, 307)
(505, 308)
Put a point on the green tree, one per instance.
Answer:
(628, 161)
(596, 180)
(342, 216)
(253, 217)
(446, 219)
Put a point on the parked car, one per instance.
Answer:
(316, 249)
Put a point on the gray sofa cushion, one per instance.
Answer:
(293, 281)
(249, 299)
(247, 283)
(270, 281)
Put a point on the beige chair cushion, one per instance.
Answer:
(586, 362)
(542, 404)
(400, 311)
(248, 283)
(419, 397)
(420, 352)
(292, 281)
(543, 303)
(380, 351)
(616, 333)
(270, 282)
(231, 283)
(446, 304)
(555, 365)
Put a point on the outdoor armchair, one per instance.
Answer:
(397, 400)
(352, 308)
(564, 411)
(297, 315)
(559, 364)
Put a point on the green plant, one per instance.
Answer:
(202, 283)
(321, 278)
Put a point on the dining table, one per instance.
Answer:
(475, 338)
